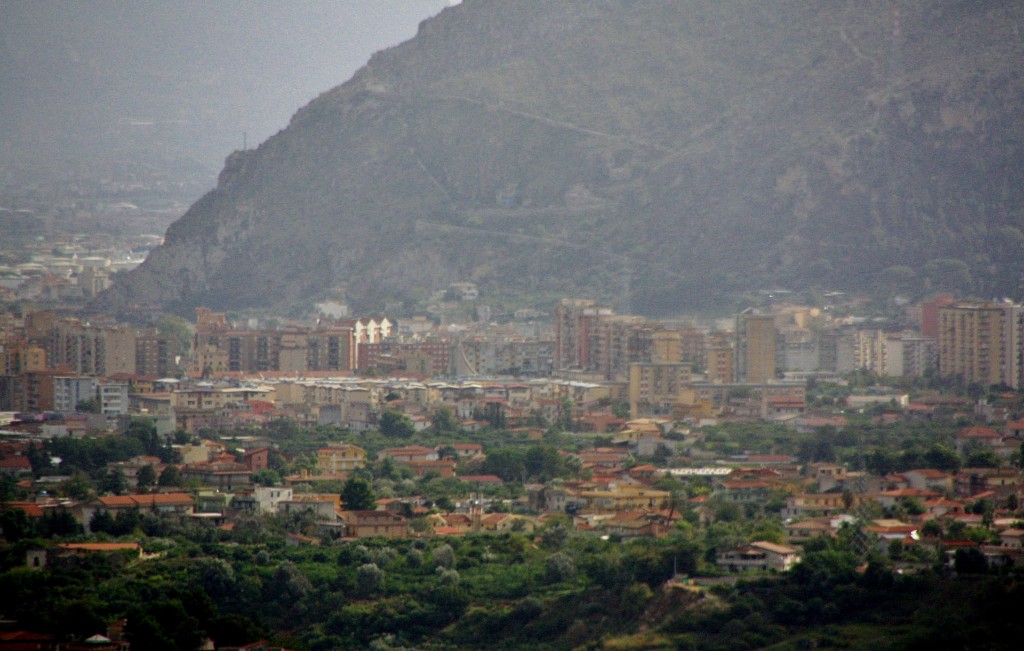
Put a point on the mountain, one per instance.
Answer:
(662, 154)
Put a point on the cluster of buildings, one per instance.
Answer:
(755, 364)
(68, 269)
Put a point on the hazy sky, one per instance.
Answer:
(90, 73)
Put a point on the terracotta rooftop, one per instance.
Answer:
(100, 547)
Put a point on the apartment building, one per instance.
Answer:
(68, 391)
(755, 347)
(981, 343)
(655, 389)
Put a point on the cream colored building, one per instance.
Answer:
(340, 458)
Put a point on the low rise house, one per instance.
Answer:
(889, 499)
(226, 476)
(930, 479)
(367, 524)
(941, 506)
(1012, 538)
(409, 453)
(340, 458)
(622, 498)
(742, 491)
(39, 558)
(825, 504)
(323, 507)
(439, 467)
(973, 481)
(629, 525)
(759, 556)
(803, 530)
(889, 530)
(167, 503)
(985, 437)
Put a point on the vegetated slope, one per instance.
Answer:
(682, 151)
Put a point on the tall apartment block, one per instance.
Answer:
(755, 347)
(981, 343)
(574, 318)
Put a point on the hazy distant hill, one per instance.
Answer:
(158, 84)
(677, 150)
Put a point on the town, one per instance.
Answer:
(763, 436)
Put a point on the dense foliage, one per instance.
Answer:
(497, 591)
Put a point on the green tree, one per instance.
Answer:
(215, 577)
(932, 529)
(90, 406)
(394, 424)
(178, 332)
(369, 579)
(357, 495)
(144, 431)
(114, 482)
(267, 477)
(443, 556)
(447, 452)
(9, 489)
(507, 463)
(443, 421)
(146, 477)
(942, 458)
(543, 462)
(985, 458)
(287, 585)
(565, 412)
(554, 536)
(77, 486)
(171, 476)
(58, 522)
(15, 525)
(559, 567)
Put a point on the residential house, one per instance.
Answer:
(1012, 538)
(930, 479)
(166, 503)
(226, 476)
(366, 524)
(982, 436)
(629, 525)
(622, 498)
(759, 556)
(804, 530)
(890, 498)
(409, 453)
(340, 459)
(972, 481)
(827, 504)
(742, 491)
(422, 467)
(889, 530)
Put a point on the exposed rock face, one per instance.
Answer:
(680, 150)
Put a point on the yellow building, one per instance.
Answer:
(755, 347)
(624, 498)
(981, 343)
(720, 364)
(340, 458)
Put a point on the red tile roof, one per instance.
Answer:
(100, 547)
(978, 432)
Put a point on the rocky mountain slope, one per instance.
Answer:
(675, 151)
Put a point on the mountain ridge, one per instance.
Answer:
(678, 152)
